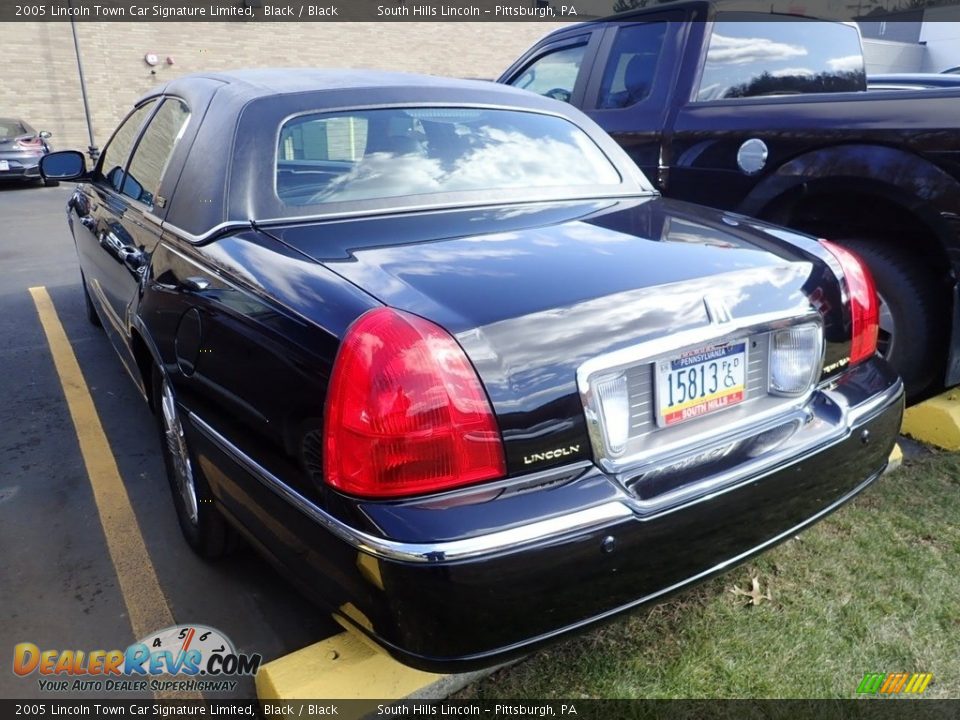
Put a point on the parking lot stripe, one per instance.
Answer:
(146, 604)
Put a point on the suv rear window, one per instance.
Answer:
(395, 152)
(11, 128)
(785, 57)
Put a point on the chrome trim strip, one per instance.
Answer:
(462, 205)
(267, 223)
(665, 346)
(731, 479)
(599, 516)
(858, 414)
(108, 308)
(124, 338)
(692, 580)
(764, 466)
(215, 230)
(497, 542)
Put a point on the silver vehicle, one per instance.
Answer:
(21, 148)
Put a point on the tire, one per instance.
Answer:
(203, 527)
(92, 316)
(912, 315)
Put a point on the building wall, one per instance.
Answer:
(901, 27)
(41, 85)
(941, 33)
(884, 56)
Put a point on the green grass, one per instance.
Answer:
(873, 588)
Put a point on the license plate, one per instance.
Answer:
(4, 165)
(700, 382)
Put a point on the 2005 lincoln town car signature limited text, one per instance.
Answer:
(437, 349)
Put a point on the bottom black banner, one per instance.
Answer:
(865, 709)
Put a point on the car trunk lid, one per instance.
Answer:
(533, 292)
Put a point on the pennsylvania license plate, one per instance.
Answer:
(4, 165)
(700, 382)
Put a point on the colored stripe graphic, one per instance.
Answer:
(871, 683)
(894, 683)
(918, 683)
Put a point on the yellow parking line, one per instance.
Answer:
(146, 605)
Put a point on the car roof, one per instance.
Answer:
(774, 10)
(261, 82)
(236, 117)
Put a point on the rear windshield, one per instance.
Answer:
(391, 153)
(780, 57)
(11, 128)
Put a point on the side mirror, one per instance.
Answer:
(63, 165)
(133, 189)
(46, 134)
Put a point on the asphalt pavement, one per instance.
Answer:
(59, 588)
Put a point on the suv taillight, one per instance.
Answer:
(405, 413)
(28, 144)
(864, 304)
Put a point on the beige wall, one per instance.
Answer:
(40, 82)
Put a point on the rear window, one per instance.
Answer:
(11, 128)
(785, 57)
(391, 153)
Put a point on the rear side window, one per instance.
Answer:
(631, 69)
(391, 153)
(118, 151)
(11, 128)
(553, 74)
(755, 59)
(153, 153)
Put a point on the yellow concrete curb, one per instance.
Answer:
(895, 460)
(935, 421)
(342, 667)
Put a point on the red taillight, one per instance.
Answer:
(406, 413)
(864, 305)
(28, 144)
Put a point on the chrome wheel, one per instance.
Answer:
(179, 455)
(886, 333)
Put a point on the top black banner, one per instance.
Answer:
(423, 10)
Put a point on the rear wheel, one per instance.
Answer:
(911, 315)
(203, 527)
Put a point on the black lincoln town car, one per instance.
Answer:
(438, 350)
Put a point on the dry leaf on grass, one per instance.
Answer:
(753, 595)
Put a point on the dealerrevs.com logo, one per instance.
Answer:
(197, 657)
